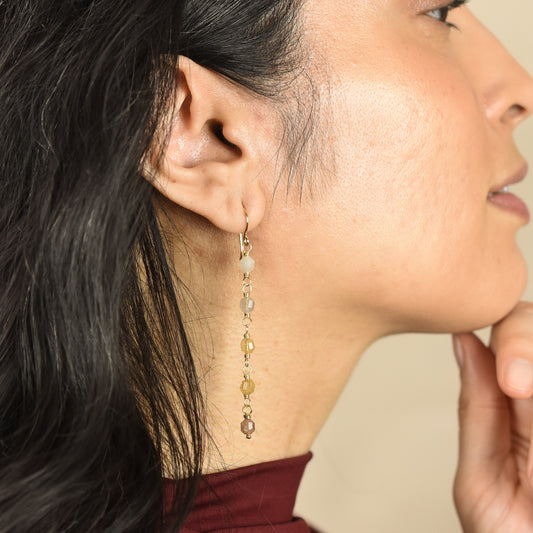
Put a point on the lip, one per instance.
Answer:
(511, 203)
(508, 201)
(517, 177)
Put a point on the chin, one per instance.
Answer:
(460, 305)
(468, 311)
(486, 310)
(483, 319)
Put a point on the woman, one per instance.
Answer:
(357, 151)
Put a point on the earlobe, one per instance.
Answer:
(209, 165)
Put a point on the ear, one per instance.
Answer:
(212, 163)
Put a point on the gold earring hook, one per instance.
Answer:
(244, 236)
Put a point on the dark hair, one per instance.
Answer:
(97, 378)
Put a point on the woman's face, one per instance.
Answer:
(420, 117)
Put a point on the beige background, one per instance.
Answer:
(385, 461)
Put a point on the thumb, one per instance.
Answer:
(484, 419)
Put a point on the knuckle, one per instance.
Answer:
(480, 408)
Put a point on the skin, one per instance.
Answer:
(419, 117)
(493, 489)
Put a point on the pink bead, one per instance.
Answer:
(248, 427)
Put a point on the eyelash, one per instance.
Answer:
(445, 11)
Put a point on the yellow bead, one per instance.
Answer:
(247, 387)
(247, 345)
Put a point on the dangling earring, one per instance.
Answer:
(247, 265)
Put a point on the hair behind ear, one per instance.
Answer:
(86, 412)
(98, 382)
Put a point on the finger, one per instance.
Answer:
(528, 449)
(512, 343)
(484, 418)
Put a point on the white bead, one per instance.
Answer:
(247, 305)
(247, 264)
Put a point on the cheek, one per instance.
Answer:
(406, 165)
(413, 173)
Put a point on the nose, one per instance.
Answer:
(504, 86)
(508, 95)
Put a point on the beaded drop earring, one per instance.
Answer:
(247, 265)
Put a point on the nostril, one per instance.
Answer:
(515, 112)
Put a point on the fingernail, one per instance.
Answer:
(519, 375)
(458, 351)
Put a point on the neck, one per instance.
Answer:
(305, 348)
(298, 375)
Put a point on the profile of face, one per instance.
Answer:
(421, 117)
(418, 104)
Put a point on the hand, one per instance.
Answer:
(493, 488)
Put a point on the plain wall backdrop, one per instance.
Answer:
(385, 461)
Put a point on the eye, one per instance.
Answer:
(442, 13)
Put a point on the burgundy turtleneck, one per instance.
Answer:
(253, 499)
